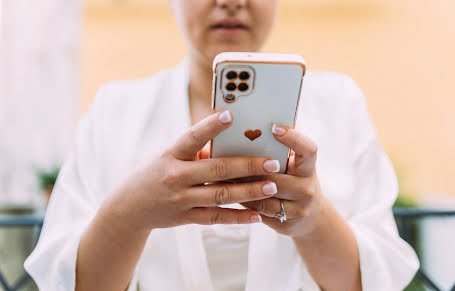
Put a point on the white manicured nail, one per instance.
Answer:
(225, 117)
(278, 130)
(272, 166)
(269, 189)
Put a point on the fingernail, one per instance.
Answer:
(278, 130)
(225, 117)
(269, 188)
(255, 218)
(272, 166)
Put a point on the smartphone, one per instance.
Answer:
(259, 89)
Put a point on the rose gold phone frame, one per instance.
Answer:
(257, 62)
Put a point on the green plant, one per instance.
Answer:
(407, 200)
(47, 178)
(404, 200)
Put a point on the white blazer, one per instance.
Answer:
(132, 120)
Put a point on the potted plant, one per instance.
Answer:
(47, 179)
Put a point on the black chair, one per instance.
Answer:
(406, 219)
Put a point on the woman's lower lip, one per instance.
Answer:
(229, 32)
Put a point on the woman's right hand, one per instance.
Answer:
(171, 190)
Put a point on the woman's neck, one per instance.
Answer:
(199, 89)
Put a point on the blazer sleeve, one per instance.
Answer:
(72, 206)
(386, 261)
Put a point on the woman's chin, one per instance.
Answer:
(230, 48)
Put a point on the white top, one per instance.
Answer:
(227, 255)
(130, 121)
(226, 247)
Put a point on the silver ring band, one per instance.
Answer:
(282, 215)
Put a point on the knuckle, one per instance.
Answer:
(302, 212)
(176, 199)
(219, 168)
(262, 205)
(313, 148)
(254, 204)
(217, 218)
(222, 195)
(310, 191)
(170, 177)
(252, 191)
(252, 167)
(236, 219)
(173, 176)
(308, 199)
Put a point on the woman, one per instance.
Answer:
(130, 209)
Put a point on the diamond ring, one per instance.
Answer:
(282, 215)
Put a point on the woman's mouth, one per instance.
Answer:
(229, 27)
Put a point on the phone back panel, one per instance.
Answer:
(273, 97)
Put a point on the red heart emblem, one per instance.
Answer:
(252, 135)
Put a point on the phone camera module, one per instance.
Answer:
(231, 75)
(231, 86)
(244, 75)
(243, 87)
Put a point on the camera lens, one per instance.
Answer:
(244, 76)
(231, 86)
(231, 75)
(230, 97)
(243, 86)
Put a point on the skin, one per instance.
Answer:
(194, 19)
(112, 244)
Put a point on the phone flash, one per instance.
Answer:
(229, 98)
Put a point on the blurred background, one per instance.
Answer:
(55, 54)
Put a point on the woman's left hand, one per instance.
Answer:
(299, 188)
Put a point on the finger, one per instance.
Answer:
(305, 149)
(192, 141)
(272, 206)
(291, 187)
(222, 194)
(222, 169)
(275, 223)
(218, 215)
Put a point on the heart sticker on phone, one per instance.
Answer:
(252, 135)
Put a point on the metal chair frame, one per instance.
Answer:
(20, 221)
(403, 216)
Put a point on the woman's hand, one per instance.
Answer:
(298, 188)
(170, 191)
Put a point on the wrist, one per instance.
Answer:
(319, 222)
(123, 214)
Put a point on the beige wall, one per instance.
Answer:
(400, 53)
